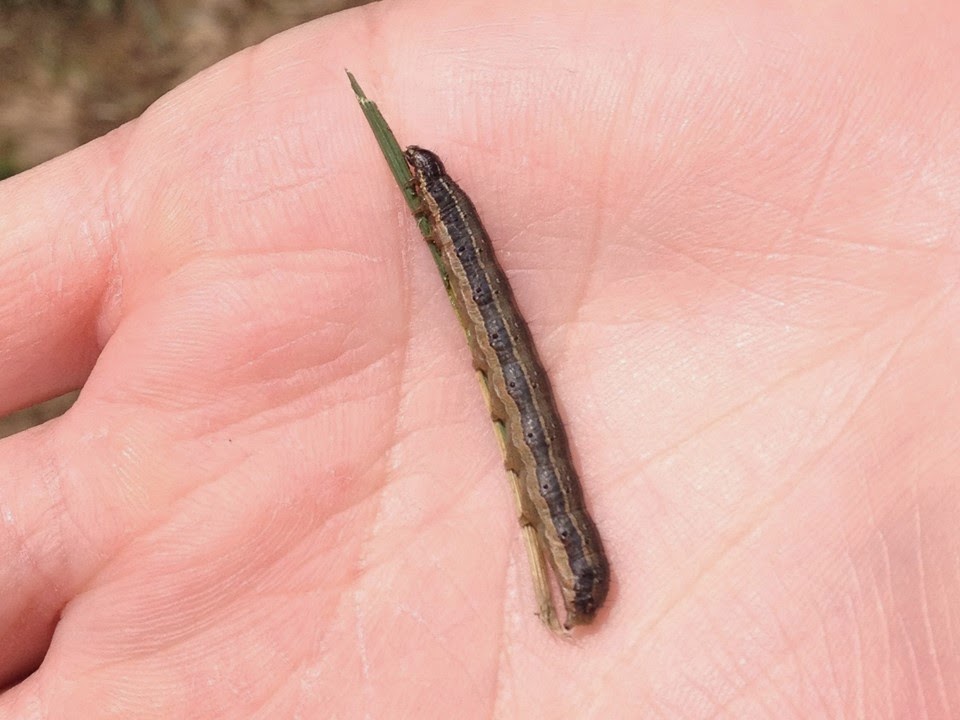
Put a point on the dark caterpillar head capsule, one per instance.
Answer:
(424, 162)
(591, 583)
(590, 594)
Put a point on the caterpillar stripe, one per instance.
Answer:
(536, 450)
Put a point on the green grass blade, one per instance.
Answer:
(391, 151)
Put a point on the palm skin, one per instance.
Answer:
(734, 236)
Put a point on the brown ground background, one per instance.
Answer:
(72, 70)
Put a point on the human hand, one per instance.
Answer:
(733, 234)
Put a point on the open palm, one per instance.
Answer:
(734, 237)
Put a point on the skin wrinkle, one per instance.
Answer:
(40, 701)
(792, 642)
(437, 517)
(820, 181)
(362, 562)
(584, 288)
(293, 679)
(590, 282)
(499, 674)
(222, 474)
(14, 531)
(110, 300)
(884, 592)
(118, 198)
(499, 693)
(827, 354)
(886, 365)
(360, 633)
(95, 549)
(841, 694)
(719, 275)
(708, 696)
(859, 676)
(890, 591)
(910, 645)
(236, 423)
(712, 564)
(216, 257)
(159, 650)
(760, 203)
(281, 349)
(465, 598)
(46, 607)
(126, 540)
(672, 711)
(246, 63)
(298, 340)
(184, 636)
(273, 695)
(866, 290)
(594, 702)
(813, 240)
(738, 689)
(267, 192)
(666, 451)
(436, 637)
(838, 687)
(67, 517)
(821, 281)
(278, 406)
(925, 605)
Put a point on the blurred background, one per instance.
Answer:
(72, 70)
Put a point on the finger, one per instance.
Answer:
(39, 547)
(66, 249)
(217, 166)
(64, 509)
(54, 264)
(23, 702)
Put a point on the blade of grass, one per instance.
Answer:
(401, 173)
(391, 152)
